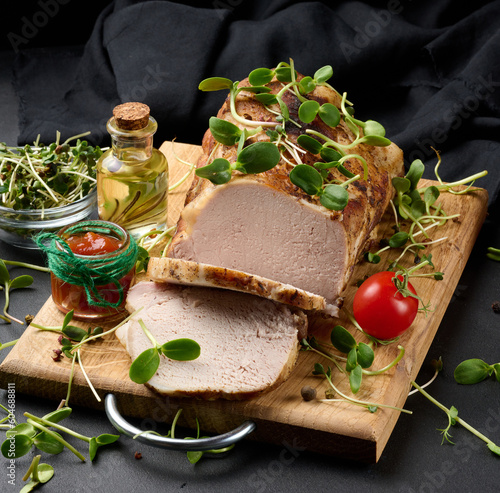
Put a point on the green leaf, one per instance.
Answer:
(106, 439)
(415, 173)
(16, 446)
(342, 339)
(373, 258)
(4, 273)
(45, 472)
(225, 132)
(355, 378)
(47, 443)
(215, 84)
(329, 154)
(472, 371)
(418, 208)
(307, 85)
(319, 369)
(323, 74)
(67, 318)
(284, 74)
(307, 178)
(260, 76)
(284, 110)
(372, 127)
(256, 89)
(181, 349)
(58, 414)
(266, 99)
(365, 355)
(144, 366)
(310, 144)
(194, 456)
(218, 171)
(352, 359)
(398, 239)
(496, 369)
(21, 282)
(93, 446)
(494, 448)
(402, 185)
(23, 428)
(74, 333)
(375, 140)
(431, 194)
(330, 114)
(334, 197)
(258, 157)
(308, 110)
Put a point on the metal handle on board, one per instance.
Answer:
(197, 444)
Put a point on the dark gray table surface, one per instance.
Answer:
(413, 461)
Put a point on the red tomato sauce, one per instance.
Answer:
(68, 296)
(92, 243)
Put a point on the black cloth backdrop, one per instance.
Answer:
(428, 71)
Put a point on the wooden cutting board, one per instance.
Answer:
(282, 417)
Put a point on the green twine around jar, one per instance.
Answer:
(87, 270)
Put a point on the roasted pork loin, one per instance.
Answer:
(249, 344)
(262, 224)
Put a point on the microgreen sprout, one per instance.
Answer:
(318, 180)
(360, 356)
(475, 370)
(37, 432)
(73, 338)
(146, 364)
(38, 473)
(438, 366)
(419, 206)
(41, 177)
(370, 406)
(453, 419)
(193, 455)
(9, 284)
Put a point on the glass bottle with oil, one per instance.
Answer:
(132, 176)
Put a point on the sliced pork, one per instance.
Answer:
(179, 271)
(249, 344)
(264, 225)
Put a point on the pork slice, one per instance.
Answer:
(182, 271)
(264, 225)
(249, 344)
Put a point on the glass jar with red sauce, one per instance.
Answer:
(96, 275)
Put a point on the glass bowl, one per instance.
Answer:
(18, 227)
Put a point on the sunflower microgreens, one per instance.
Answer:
(419, 206)
(7, 285)
(42, 177)
(37, 432)
(360, 356)
(258, 157)
(193, 455)
(475, 370)
(453, 419)
(146, 364)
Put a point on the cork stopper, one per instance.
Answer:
(131, 116)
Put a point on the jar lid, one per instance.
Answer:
(131, 116)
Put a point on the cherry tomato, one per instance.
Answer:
(382, 311)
